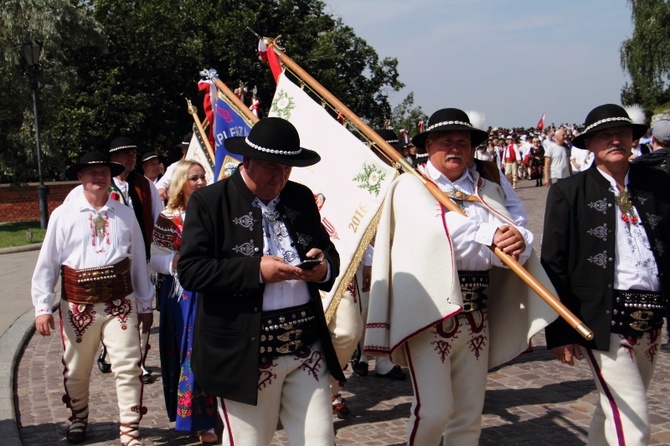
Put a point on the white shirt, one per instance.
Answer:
(634, 266)
(164, 182)
(473, 234)
(156, 202)
(513, 203)
(71, 240)
(277, 242)
(559, 167)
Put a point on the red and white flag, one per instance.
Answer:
(540, 123)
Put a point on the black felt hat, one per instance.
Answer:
(448, 119)
(390, 137)
(273, 139)
(606, 116)
(122, 143)
(94, 159)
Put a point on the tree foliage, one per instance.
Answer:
(406, 116)
(122, 67)
(646, 55)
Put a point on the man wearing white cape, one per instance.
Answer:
(430, 305)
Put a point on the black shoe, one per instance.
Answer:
(665, 347)
(361, 368)
(102, 365)
(395, 374)
(147, 378)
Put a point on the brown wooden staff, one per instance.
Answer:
(507, 259)
(194, 112)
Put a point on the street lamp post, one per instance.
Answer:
(31, 51)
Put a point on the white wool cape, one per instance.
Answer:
(415, 283)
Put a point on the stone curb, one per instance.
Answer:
(12, 343)
(24, 248)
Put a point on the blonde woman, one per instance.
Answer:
(192, 409)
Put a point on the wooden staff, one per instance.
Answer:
(194, 112)
(507, 259)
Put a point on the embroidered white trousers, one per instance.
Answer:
(82, 328)
(622, 375)
(291, 388)
(448, 364)
(346, 327)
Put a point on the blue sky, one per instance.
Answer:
(510, 60)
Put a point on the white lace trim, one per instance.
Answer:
(276, 152)
(603, 121)
(132, 146)
(439, 124)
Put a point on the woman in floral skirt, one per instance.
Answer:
(191, 408)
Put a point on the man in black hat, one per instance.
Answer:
(151, 166)
(95, 245)
(140, 194)
(255, 249)
(605, 233)
(428, 307)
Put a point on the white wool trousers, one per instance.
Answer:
(448, 363)
(114, 323)
(346, 328)
(622, 375)
(291, 388)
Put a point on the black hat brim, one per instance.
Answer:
(639, 131)
(239, 146)
(116, 169)
(477, 136)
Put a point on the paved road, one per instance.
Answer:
(532, 400)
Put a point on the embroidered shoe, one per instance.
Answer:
(340, 407)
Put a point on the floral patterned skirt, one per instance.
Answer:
(187, 404)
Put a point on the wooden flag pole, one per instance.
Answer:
(507, 259)
(194, 112)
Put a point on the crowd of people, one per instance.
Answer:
(236, 269)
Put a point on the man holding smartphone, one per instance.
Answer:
(254, 247)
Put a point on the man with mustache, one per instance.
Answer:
(428, 307)
(605, 233)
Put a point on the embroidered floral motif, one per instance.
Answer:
(653, 220)
(477, 344)
(99, 231)
(291, 214)
(370, 179)
(600, 205)
(443, 349)
(599, 259)
(660, 246)
(120, 309)
(313, 364)
(246, 249)
(290, 256)
(599, 232)
(443, 346)
(81, 317)
(246, 221)
(642, 196)
(304, 240)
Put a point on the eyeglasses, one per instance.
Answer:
(618, 135)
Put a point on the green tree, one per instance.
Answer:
(406, 116)
(123, 67)
(63, 27)
(646, 55)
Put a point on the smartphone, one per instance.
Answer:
(308, 263)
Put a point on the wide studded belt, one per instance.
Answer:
(96, 285)
(473, 285)
(635, 312)
(285, 331)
